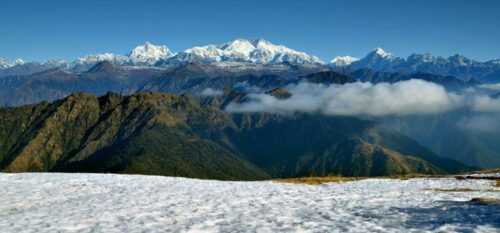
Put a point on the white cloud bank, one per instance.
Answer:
(485, 104)
(494, 86)
(401, 98)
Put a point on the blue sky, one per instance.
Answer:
(40, 30)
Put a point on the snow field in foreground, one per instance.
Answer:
(51, 202)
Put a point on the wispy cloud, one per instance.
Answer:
(401, 98)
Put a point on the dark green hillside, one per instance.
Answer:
(314, 145)
(144, 133)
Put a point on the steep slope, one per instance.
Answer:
(144, 133)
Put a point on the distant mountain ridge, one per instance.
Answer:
(56, 83)
(456, 65)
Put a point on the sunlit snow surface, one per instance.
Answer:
(120, 203)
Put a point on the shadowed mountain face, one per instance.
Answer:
(313, 145)
(449, 82)
(470, 138)
(55, 84)
(165, 134)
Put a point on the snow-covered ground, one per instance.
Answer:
(46, 202)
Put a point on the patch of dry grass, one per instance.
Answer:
(313, 180)
(416, 175)
(463, 190)
(454, 190)
(485, 201)
(486, 171)
(318, 180)
(497, 183)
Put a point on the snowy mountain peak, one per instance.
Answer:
(241, 46)
(146, 54)
(382, 53)
(340, 61)
(19, 61)
(242, 50)
(4, 63)
(149, 53)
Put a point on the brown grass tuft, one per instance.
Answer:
(318, 180)
(463, 190)
(413, 176)
(454, 190)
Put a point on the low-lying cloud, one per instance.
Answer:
(483, 103)
(209, 92)
(494, 86)
(401, 98)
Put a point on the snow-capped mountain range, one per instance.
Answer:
(258, 51)
(242, 50)
(145, 55)
(456, 65)
(379, 58)
(263, 52)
